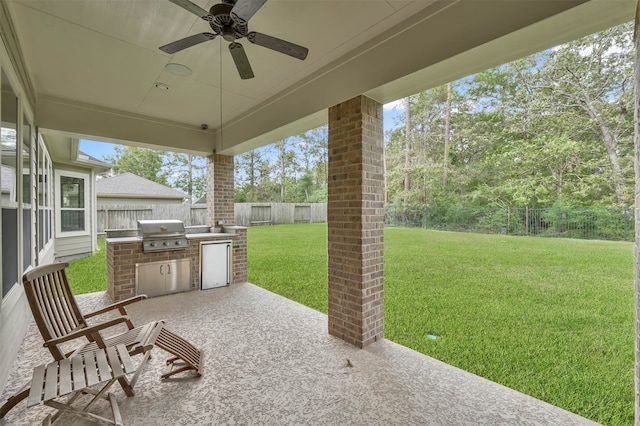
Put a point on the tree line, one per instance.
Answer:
(552, 129)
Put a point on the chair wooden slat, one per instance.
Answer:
(65, 371)
(125, 359)
(114, 361)
(91, 369)
(77, 372)
(56, 305)
(103, 366)
(51, 381)
(67, 322)
(71, 309)
(37, 383)
(48, 295)
(44, 308)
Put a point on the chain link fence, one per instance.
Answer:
(586, 222)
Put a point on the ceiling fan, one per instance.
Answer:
(230, 21)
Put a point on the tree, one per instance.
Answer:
(187, 173)
(595, 76)
(252, 176)
(315, 156)
(146, 163)
(286, 164)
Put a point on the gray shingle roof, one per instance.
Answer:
(132, 186)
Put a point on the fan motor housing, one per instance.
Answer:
(223, 23)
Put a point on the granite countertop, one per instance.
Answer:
(123, 240)
(210, 235)
(195, 236)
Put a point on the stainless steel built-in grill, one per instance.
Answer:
(162, 235)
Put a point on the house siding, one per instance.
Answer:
(73, 246)
(15, 316)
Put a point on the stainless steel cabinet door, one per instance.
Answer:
(177, 275)
(149, 279)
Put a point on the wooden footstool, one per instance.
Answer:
(183, 352)
(76, 375)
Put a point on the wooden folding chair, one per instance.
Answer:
(60, 321)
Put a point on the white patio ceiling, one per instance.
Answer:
(94, 63)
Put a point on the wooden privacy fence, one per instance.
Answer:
(246, 214)
(126, 216)
(252, 214)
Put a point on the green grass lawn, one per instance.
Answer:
(89, 274)
(551, 318)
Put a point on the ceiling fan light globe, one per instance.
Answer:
(229, 34)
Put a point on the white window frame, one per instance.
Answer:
(45, 168)
(59, 209)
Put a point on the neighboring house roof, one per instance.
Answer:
(128, 185)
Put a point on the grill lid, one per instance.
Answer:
(160, 228)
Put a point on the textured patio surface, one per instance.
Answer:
(270, 361)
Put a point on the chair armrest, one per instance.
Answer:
(117, 305)
(86, 332)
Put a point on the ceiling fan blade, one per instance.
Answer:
(191, 7)
(245, 9)
(182, 44)
(242, 62)
(278, 45)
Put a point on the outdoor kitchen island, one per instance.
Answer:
(125, 250)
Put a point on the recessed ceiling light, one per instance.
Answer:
(178, 69)
(161, 86)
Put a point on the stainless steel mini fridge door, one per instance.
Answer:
(215, 263)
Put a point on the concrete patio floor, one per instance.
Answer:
(270, 361)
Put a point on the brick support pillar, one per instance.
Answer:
(220, 195)
(220, 207)
(355, 215)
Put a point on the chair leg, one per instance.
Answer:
(14, 400)
(126, 386)
(99, 394)
(141, 367)
(76, 412)
(47, 421)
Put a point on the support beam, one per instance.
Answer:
(355, 214)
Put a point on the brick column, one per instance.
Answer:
(355, 215)
(220, 195)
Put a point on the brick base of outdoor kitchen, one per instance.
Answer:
(125, 251)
